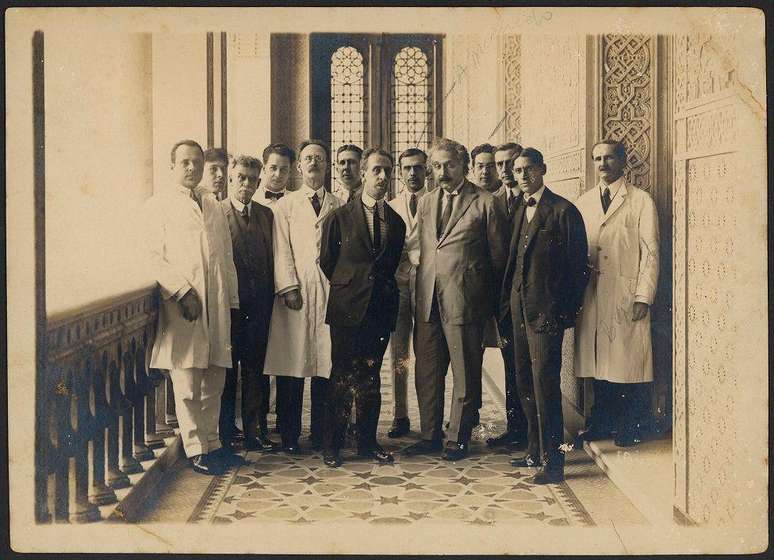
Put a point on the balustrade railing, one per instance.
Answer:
(105, 410)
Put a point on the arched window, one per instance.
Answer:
(349, 103)
(411, 117)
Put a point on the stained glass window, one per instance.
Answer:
(349, 103)
(411, 104)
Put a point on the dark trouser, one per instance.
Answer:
(437, 344)
(538, 359)
(319, 388)
(619, 407)
(249, 336)
(290, 399)
(514, 413)
(356, 356)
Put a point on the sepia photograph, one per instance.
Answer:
(374, 280)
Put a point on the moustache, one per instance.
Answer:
(444, 178)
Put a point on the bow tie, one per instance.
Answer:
(274, 195)
(531, 202)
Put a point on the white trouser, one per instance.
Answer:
(197, 405)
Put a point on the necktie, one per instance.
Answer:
(274, 195)
(377, 228)
(316, 204)
(511, 203)
(245, 214)
(350, 196)
(606, 200)
(446, 214)
(413, 205)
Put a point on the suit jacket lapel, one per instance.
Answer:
(361, 225)
(541, 213)
(464, 199)
(262, 226)
(616, 203)
(433, 208)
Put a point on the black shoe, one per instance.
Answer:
(594, 434)
(202, 465)
(292, 448)
(548, 476)
(424, 446)
(506, 438)
(331, 458)
(526, 462)
(377, 453)
(238, 435)
(260, 444)
(400, 427)
(226, 457)
(455, 451)
(626, 440)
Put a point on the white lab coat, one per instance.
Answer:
(624, 256)
(299, 341)
(190, 248)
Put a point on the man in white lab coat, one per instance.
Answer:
(612, 336)
(299, 340)
(191, 258)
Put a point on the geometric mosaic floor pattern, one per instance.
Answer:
(481, 489)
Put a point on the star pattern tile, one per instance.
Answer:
(482, 489)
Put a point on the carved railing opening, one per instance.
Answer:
(106, 411)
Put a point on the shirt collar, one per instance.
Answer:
(368, 200)
(537, 195)
(238, 206)
(309, 192)
(614, 187)
(420, 193)
(456, 190)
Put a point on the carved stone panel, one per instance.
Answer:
(628, 101)
(512, 84)
(711, 338)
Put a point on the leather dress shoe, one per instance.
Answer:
(424, 446)
(377, 453)
(203, 465)
(260, 443)
(548, 476)
(226, 457)
(506, 438)
(455, 451)
(400, 427)
(626, 440)
(332, 458)
(292, 448)
(526, 462)
(594, 434)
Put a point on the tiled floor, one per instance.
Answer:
(482, 489)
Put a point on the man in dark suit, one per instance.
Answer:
(251, 236)
(541, 296)
(462, 254)
(516, 423)
(360, 251)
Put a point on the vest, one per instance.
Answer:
(250, 261)
(518, 272)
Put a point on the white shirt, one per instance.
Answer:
(372, 204)
(447, 196)
(309, 192)
(238, 206)
(260, 197)
(614, 187)
(537, 195)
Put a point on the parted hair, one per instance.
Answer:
(281, 150)
(315, 142)
(620, 149)
(192, 143)
(380, 151)
(215, 154)
(508, 146)
(249, 162)
(533, 154)
(350, 148)
(411, 152)
(454, 147)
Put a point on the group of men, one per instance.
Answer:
(307, 283)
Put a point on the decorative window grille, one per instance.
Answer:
(411, 107)
(349, 103)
